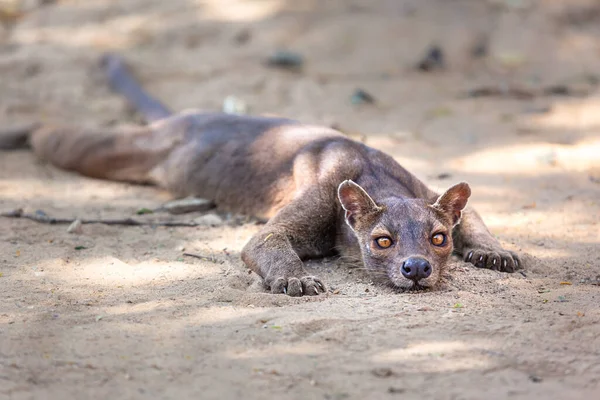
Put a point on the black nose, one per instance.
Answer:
(416, 268)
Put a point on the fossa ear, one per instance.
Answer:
(453, 201)
(356, 202)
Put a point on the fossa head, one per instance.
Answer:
(404, 242)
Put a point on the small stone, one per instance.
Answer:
(393, 389)
(188, 205)
(76, 227)
(234, 105)
(285, 59)
(243, 36)
(361, 97)
(535, 378)
(480, 48)
(433, 59)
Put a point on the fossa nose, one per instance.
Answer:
(416, 268)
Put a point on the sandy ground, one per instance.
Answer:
(128, 316)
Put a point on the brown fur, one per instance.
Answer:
(320, 192)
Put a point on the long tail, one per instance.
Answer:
(122, 81)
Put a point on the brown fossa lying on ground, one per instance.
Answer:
(320, 192)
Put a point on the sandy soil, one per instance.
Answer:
(128, 316)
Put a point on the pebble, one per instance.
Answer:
(234, 105)
(434, 59)
(76, 227)
(361, 97)
(243, 36)
(285, 59)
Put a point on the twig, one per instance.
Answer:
(205, 258)
(525, 93)
(41, 217)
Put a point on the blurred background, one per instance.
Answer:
(501, 93)
(195, 53)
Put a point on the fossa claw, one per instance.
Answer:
(469, 256)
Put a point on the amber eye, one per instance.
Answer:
(384, 242)
(439, 239)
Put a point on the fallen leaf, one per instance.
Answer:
(361, 97)
(566, 283)
(80, 247)
(458, 305)
(511, 59)
(529, 206)
(439, 112)
(143, 211)
(535, 379)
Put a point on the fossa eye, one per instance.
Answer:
(439, 239)
(383, 242)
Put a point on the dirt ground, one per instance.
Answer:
(119, 312)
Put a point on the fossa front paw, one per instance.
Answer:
(296, 287)
(497, 259)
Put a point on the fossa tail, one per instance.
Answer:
(123, 82)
